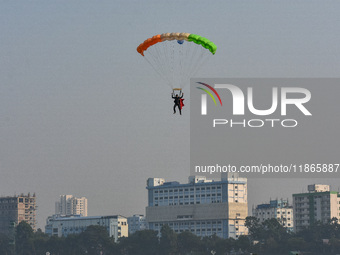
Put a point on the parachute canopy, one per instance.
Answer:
(179, 37)
(176, 56)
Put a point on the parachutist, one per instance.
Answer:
(178, 102)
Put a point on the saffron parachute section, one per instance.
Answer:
(176, 56)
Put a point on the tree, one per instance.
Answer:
(95, 239)
(254, 227)
(5, 247)
(40, 241)
(24, 239)
(188, 242)
(168, 241)
(141, 242)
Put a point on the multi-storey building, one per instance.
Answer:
(70, 205)
(277, 209)
(319, 204)
(15, 209)
(203, 207)
(136, 223)
(116, 225)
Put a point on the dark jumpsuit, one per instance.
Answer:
(177, 103)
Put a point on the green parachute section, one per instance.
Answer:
(203, 41)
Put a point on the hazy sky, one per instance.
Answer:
(82, 113)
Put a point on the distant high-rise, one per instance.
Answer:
(70, 205)
(15, 209)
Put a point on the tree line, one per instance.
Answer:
(268, 237)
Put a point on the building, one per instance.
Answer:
(203, 207)
(116, 225)
(15, 209)
(136, 223)
(70, 205)
(319, 204)
(277, 209)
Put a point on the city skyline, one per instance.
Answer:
(250, 206)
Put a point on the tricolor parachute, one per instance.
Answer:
(176, 56)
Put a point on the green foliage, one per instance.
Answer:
(24, 239)
(168, 241)
(5, 247)
(95, 239)
(188, 242)
(265, 238)
(140, 242)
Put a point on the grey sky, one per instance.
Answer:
(82, 113)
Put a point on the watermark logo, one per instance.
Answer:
(204, 97)
(280, 99)
(239, 99)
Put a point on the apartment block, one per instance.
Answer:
(201, 206)
(319, 204)
(15, 209)
(277, 209)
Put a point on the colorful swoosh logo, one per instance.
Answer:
(209, 93)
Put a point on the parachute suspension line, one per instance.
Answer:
(154, 64)
(165, 56)
(156, 61)
(170, 56)
(154, 68)
(189, 55)
(186, 74)
(181, 65)
(188, 62)
(173, 63)
(159, 49)
(192, 60)
(159, 63)
(202, 57)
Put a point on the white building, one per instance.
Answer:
(203, 207)
(319, 204)
(70, 205)
(136, 223)
(277, 209)
(116, 225)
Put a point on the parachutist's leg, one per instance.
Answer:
(174, 109)
(180, 110)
